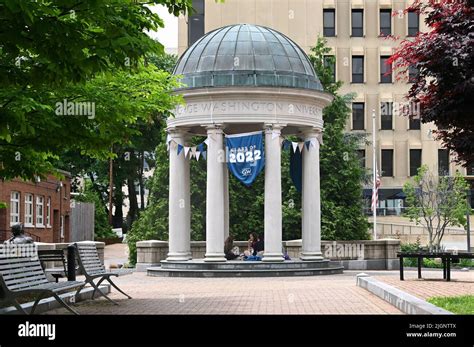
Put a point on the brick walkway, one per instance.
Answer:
(432, 284)
(334, 294)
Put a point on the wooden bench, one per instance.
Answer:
(92, 268)
(21, 276)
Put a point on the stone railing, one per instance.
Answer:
(353, 255)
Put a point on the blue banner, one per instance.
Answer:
(245, 157)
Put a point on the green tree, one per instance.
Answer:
(47, 48)
(436, 202)
(342, 174)
(142, 101)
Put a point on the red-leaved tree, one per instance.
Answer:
(444, 84)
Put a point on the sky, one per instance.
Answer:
(168, 35)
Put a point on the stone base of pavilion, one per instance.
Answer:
(239, 268)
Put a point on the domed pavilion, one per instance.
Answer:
(239, 79)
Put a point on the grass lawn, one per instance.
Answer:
(457, 304)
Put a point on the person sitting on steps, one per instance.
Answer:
(230, 251)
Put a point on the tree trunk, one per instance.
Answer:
(140, 182)
(117, 219)
(99, 193)
(133, 204)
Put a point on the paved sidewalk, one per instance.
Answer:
(115, 254)
(334, 294)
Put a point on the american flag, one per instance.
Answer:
(375, 192)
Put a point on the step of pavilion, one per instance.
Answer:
(199, 268)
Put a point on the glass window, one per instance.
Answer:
(413, 23)
(14, 208)
(39, 211)
(28, 209)
(330, 63)
(357, 69)
(329, 22)
(470, 169)
(412, 74)
(415, 161)
(358, 116)
(48, 212)
(386, 116)
(386, 22)
(443, 162)
(387, 162)
(196, 22)
(414, 123)
(385, 70)
(361, 156)
(357, 23)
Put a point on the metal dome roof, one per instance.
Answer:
(246, 55)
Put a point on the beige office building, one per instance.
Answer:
(353, 31)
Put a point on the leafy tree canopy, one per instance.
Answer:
(436, 202)
(48, 51)
(444, 86)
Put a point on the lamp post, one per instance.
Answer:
(468, 224)
(374, 178)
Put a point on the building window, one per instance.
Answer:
(386, 116)
(48, 212)
(358, 116)
(62, 227)
(385, 70)
(330, 63)
(39, 211)
(28, 209)
(470, 169)
(196, 22)
(361, 156)
(357, 23)
(414, 123)
(386, 22)
(413, 23)
(443, 162)
(412, 74)
(357, 69)
(415, 161)
(329, 22)
(387, 162)
(14, 208)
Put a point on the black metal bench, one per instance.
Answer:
(446, 259)
(21, 276)
(92, 268)
(53, 256)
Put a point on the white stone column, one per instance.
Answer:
(273, 213)
(215, 209)
(311, 199)
(179, 199)
(226, 201)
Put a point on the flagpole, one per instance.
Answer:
(374, 168)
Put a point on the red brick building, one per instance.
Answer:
(43, 207)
